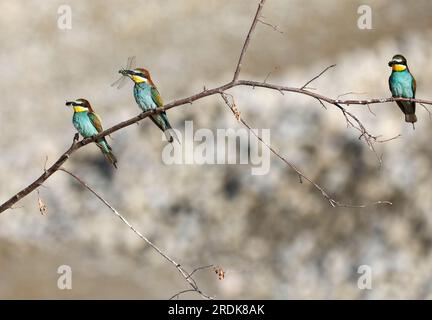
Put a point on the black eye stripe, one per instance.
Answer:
(139, 73)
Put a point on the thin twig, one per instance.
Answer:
(322, 103)
(199, 269)
(248, 37)
(427, 110)
(316, 77)
(269, 74)
(370, 110)
(349, 93)
(389, 139)
(274, 27)
(187, 276)
(177, 295)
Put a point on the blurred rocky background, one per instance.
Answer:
(274, 237)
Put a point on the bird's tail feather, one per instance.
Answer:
(107, 151)
(111, 158)
(171, 135)
(410, 118)
(165, 126)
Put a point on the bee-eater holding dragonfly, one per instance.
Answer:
(403, 85)
(89, 124)
(148, 98)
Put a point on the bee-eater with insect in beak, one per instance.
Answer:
(148, 98)
(89, 124)
(403, 85)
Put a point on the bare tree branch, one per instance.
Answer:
(186, 275)
(205, 93)
(248, 37)
(352, 121)
(332, 201)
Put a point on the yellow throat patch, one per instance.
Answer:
(138, 79)
(79, 109)
(398, 67)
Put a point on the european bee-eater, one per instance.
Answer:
(403, 85)
(148, 98)
(89, 124)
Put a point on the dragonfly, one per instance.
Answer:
(120, 82)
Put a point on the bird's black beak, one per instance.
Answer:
(125, 72)
(391, 63)
(73, 103)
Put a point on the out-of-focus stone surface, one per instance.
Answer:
(276, 238)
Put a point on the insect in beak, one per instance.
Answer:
(124, 73)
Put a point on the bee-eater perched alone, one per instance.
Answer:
(89, 124)
(403, 85)
(148, 98)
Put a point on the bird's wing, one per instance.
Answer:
(156, 97)
(414, 87)
(96, 121)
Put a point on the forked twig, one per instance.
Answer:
(187, 276)
(316, 77)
